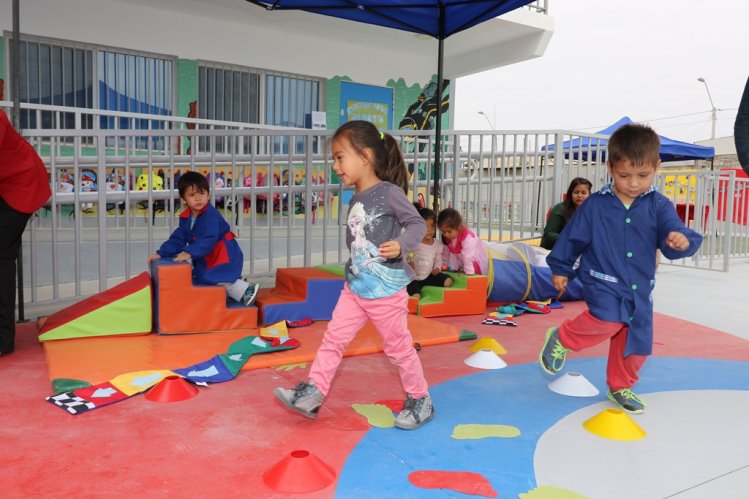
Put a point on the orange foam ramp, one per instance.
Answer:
(99, 359)
(181, 307)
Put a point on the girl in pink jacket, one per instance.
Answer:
(463, 251)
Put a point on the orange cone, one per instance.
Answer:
(300, 471)
(172, 389)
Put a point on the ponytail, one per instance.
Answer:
(396, 171)
(388, 160)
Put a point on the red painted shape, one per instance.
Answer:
(465, 482)
(393, 405)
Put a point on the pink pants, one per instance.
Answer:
(585, 331)
(389, 316)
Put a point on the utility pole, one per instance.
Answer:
(714, 109)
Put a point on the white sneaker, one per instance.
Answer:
(250, 294)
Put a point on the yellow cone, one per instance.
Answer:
(614, 424)
(488, 343)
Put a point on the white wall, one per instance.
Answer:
(236, 32)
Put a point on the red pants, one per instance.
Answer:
(585, 331)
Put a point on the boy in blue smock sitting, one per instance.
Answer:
(205, 238)
(616, 232)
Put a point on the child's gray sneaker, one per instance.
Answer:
(627, 400)
(415, 413)
(304, 398)
(552, 354)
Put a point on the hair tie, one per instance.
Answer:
(382, 136)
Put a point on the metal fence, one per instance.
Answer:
(114, 200)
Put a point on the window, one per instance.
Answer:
(56, 74)
(288, 100)
(227, 94)
(134, 83)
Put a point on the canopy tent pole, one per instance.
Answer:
(438, 125)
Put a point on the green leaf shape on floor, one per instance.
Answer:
(62, 385)
(379, 416)
(476, 431)
(551, 492)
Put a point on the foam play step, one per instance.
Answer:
(122, 310)
(467, 296)
(299, 293)
(181, 307)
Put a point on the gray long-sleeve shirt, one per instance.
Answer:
(376, 215)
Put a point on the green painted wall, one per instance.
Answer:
(187, 90)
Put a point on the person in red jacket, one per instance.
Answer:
(24, 188)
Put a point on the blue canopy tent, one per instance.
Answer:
(671, 150)
(435, 18)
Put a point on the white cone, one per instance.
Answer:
(573, 385)
(485, 359)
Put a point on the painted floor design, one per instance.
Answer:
(219, 443)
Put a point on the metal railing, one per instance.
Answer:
(114, 200)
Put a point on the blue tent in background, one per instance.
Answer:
(671, 150)
(436, 18)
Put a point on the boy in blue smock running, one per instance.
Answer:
(616, 232)
(204, 237)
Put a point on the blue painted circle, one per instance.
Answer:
(379, 465)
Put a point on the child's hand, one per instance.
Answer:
(390, 249)
(435, 271)
(182, 257)
(678, 241)
(153, 257)
(560, 284)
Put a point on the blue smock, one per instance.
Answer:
(216, 255)
(616, 246)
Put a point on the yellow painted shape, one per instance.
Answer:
(614, 424)
(378, 415)
(551, 492)
(488, 343)
(277, 330)
(476, 431)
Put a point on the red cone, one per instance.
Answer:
(299, 472)
(172, 389)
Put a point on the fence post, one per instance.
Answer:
(101, 210)
(308, 204)
(557, 165)
(729, 219)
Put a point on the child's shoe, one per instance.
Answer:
(250, 294)
(304, 398)
(553, 353)
(415, 413)
(627, 400)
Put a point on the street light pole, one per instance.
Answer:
(714, 109)
(482, 113)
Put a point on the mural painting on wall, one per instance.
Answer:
(422, 115)
(374, 112)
